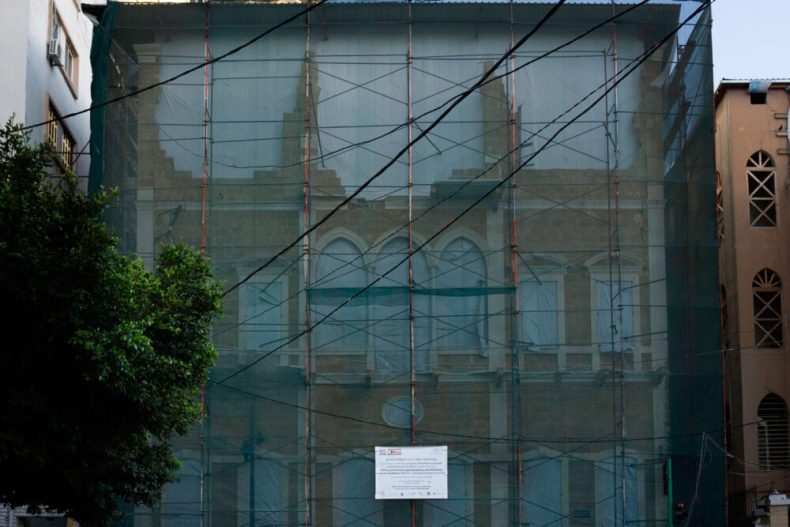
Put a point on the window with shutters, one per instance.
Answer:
(773, 447)
(761, 173)
(61, 140)
(767, 298)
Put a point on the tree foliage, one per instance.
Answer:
(102, 361)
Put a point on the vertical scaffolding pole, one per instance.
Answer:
(306, 277)
(203, 194)
(616, 151)
(204, 178)
(615, 279)
(409, 184)
(514, 303)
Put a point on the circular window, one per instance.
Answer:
(397, 411)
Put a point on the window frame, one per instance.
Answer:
(343, 462)
(65, 155)
(365, 346)
(598, 490)
(422, 363)
(257, 281)
(57, 30)
(243, 488)
(545, 273)
(544, 453)
(762, 283)
(761, 169)
(600, 274)
(637, 461)
(766, 439)
(438, 338)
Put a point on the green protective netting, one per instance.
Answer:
(545, 306)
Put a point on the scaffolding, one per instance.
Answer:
(529, 279)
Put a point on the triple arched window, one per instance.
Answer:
(773, 429)
(767, 302)
(449, 306)
(761, 174)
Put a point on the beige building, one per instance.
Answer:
(754, 261)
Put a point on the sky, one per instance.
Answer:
(750, 39)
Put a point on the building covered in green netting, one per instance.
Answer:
(532, 283)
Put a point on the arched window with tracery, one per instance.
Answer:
(767, 298)
(761, 173)
(773, 444)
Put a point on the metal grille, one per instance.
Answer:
(762, 190)
(767, 288)
(772, 433)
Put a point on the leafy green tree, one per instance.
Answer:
(102, 361)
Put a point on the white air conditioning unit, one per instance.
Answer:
(55, 52)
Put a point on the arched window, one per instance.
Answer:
(461, 301)
(761, 171)
(340, 273)
(390, 312)
(767, 296)
(773, 447)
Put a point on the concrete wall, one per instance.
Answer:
(13, 36)
(29, 82)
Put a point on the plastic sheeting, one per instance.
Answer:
(540, 312)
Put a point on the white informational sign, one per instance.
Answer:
(411, 472)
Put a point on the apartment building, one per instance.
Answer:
(47, 74)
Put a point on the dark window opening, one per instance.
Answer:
(758, 98)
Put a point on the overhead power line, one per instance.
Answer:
(632, 67)
(564, 440)
(184, 73)
(466, 93)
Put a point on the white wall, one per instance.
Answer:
(30, 81)
(13, 40)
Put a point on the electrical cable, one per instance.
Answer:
(398, 127)
(203, 64)
(455, 102)
(479, 200)
(467, 182)
(490, 439)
